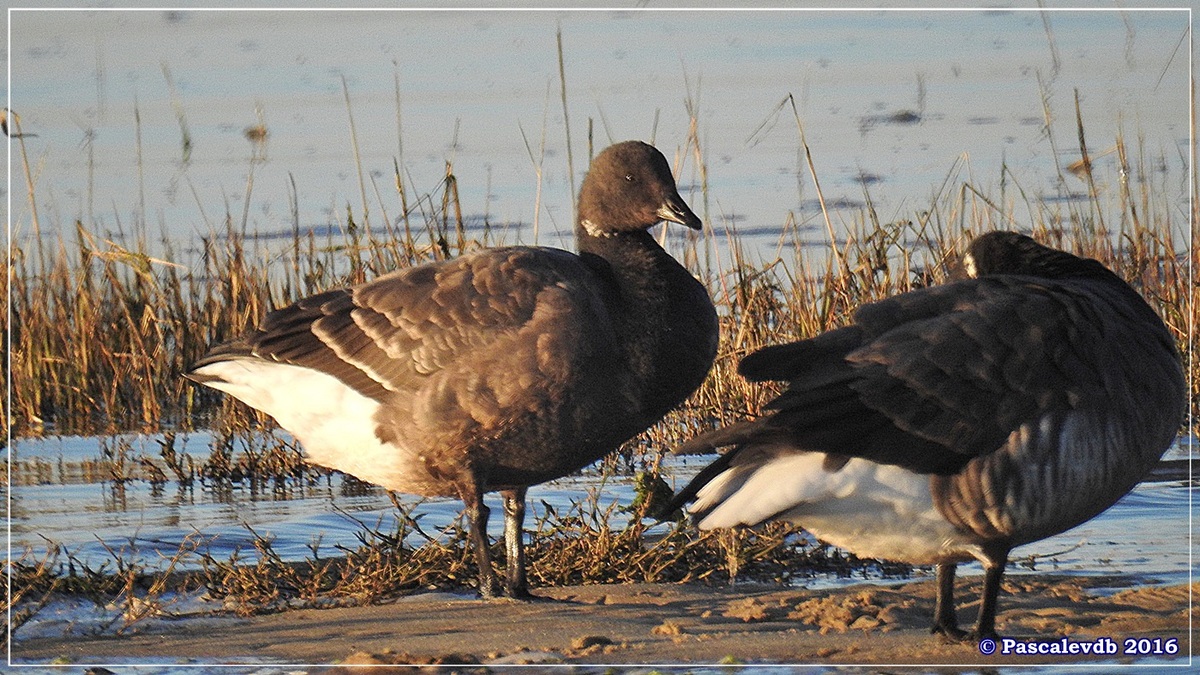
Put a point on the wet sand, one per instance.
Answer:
(661, 624)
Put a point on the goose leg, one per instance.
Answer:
(516, 584)
(993, 574)
(477, 514)
(945, 619)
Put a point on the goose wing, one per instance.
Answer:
(452, 320)
(928, 380)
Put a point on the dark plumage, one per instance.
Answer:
(496, 370)
(956, 421)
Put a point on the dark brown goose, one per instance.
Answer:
(957, 421)
(493, 371)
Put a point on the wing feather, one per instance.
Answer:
(928, 380)
(392, 334)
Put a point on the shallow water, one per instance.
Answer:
(140, 116)
(1144, 536)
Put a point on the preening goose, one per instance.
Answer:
(957, 421)
(496, 370)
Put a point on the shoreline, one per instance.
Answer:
(664, 624)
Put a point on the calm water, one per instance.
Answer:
(1144, 536)
(894, 105)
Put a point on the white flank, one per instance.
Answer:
(873, 510)
(335, 424)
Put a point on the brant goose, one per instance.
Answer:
(957, 421)
(492, 371)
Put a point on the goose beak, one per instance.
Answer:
(676, 211)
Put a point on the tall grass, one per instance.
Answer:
(102, 331)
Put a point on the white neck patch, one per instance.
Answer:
(594, 230)
(969, 263)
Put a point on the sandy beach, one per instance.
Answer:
(669, 624)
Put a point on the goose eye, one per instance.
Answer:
(629, 177)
